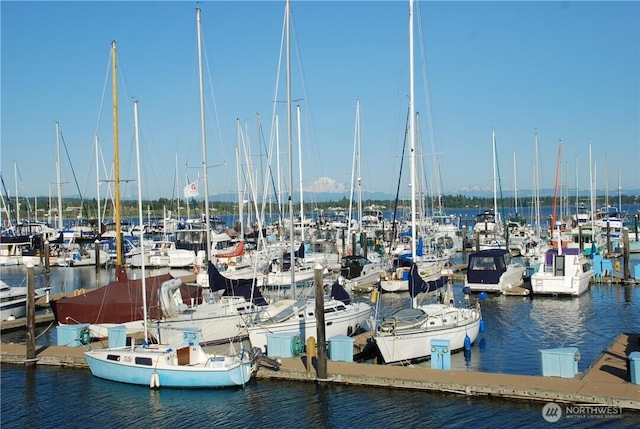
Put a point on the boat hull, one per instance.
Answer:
(415, 344)
(344, 322)
(125, 365)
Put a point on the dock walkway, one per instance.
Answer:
(605, 382)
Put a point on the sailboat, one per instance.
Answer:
(119, 302)
(406, 335)
(342, 316)
(183, 365)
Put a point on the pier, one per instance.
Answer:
(606, 381)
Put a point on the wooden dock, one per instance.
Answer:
(605, 382)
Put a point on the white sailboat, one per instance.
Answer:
(342, 316)
(175, 365)
(406, 335)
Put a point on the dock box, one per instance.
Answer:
(285, 344)
(440, 354)
(341, 348)
(634, 367)
(190, 336)
(117, 336)
(562, 362)
(636, 271)
(73, 335)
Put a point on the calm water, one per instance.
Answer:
(48, 397)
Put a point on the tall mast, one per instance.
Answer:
(515, 182)
(116, 161)
(412, 143)
(495, 177)
(15, 179)
(290, 144)
(298, 116)
(204, 137)
(98, 185)
(58, 178)
(140, 221)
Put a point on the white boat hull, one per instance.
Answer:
(343, 322)
(415, 344)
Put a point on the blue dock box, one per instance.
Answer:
(562, 362)
(341, 348)
(190, 336)
(117, 336)
(73, 335)
(440, 354)
(285, 344)
(634, 367)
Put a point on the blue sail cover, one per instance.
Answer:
(235, 287)
(298, 253)
(338, 292)
(418, 285)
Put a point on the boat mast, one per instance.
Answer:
(290, 144)
(120, 273)
(58, 178)
(495, 178)
(140, 221)
(15, 179)
(98, 185)
(204, 138)
(412, 143)
(298, 117)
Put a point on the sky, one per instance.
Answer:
(566, 71)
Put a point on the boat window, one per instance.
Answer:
(114, 357)
(329, 310)
(341, 308)
(144, 361)
(483, 263)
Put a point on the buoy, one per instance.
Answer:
(466, 290)
(156, 378)
(467, 356)
(482, 296)
(152, 381)
(482, 327)
(617, 265)
(374, 295)
(467, 342)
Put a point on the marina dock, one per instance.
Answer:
(605, 382)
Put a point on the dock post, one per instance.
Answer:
(353, 244)
(477, 237)
(96, 248)
(464, 244)
(320, 326)
(625, 253)
(31, 316)
(47, 253)
(363, 242)
(311, 353)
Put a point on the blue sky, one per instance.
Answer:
(566, 70)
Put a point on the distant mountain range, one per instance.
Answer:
(328, 189)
